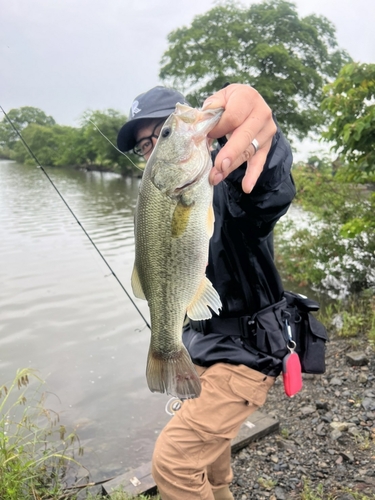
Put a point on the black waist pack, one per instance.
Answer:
(288, 326)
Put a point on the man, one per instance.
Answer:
(253, 189)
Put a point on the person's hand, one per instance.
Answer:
(246, 117)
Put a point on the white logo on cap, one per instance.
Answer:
(135, 108)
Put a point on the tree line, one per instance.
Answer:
(59, 145)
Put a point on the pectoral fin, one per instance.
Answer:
(205, 296)
(136, 285)
(180, 219)
(210, 221)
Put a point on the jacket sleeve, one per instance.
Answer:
(273, 192)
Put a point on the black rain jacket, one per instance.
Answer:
(241, 262)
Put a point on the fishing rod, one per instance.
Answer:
(73, 214)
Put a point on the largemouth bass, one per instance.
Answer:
(173, 225)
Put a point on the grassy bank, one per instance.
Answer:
(35, 450)
(38, 456)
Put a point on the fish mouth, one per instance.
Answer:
(200, 120)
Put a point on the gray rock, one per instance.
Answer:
(362, 378)
(357, 358)
(336, 434)
(243, 455)
(354, 431)
(336, 381)
(280, 493)
(320, 429)
(322, 405)
(368, 404)
(307, 410)
(241, 482)
(326, 418)
(340, 426)
(347, 456)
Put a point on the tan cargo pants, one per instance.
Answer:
(192, 454)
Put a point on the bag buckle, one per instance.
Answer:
(247, 324)
(290, 343)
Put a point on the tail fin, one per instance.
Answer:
(175, 375)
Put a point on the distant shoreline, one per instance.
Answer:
(89, 168)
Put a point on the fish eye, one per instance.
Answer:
(166, 132)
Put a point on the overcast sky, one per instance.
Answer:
(66, 56)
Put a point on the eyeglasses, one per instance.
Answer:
(145, 145)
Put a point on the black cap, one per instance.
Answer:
(159, 102)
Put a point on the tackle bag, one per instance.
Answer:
(288, 326)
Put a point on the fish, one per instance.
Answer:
(173, 223)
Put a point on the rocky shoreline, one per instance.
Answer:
(326, 442)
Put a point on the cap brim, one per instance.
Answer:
(126, 137)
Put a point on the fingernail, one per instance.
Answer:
(225, 164)
(207, 104)
(217, 179)
(248, 189)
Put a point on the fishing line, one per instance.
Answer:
(73, 214)
(116, 148)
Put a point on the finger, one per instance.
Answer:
(255, 163)
(235, 152)
(253, 171)
(240, 141)
(239, 102)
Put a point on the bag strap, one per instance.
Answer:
(301, 301)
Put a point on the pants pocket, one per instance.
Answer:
(251, 386)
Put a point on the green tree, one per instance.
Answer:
(21, 118)
(73, 149)
(43, 141)
(334, 248)
(350, 104)
(286, 58)
(55, 145)
(96, 125)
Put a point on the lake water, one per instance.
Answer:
(64, 314)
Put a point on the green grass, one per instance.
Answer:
(35, 451)
(319, 493)
(120, 495)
